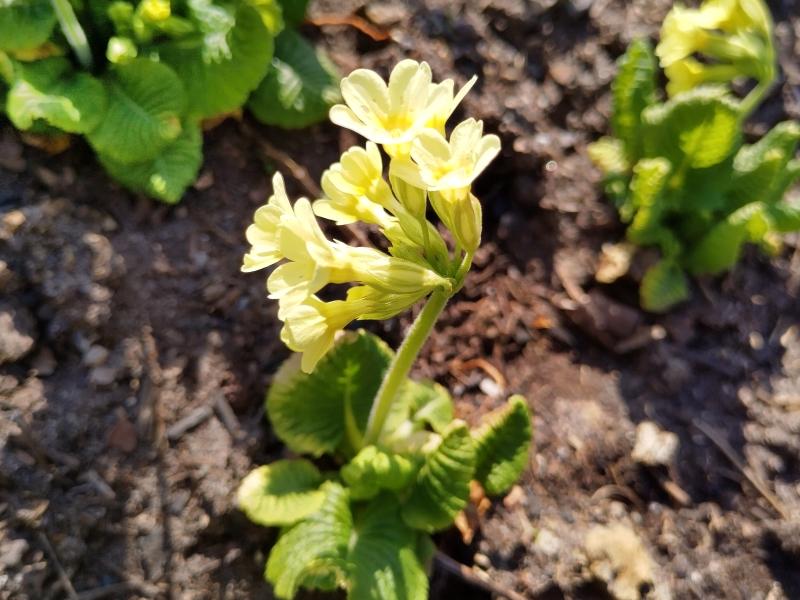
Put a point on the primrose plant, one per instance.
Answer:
(678, 170)
(403, 464)
(138, 79)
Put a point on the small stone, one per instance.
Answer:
(12, 551)
(654, 446)
(17, 333)
(122, 434)
(103, 376)
(482, 560)
(547, 543)
(95, 356)
(44, 362)
(756, 341)
(490, 387)
(6, 275)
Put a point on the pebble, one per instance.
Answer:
(12, 551)
(103, 376)
(95, 356)
(653, 445)
(17, 333)
(45, 362)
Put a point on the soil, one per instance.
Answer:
(134, 354)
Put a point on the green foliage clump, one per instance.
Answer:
(678, 170)
(137, 79)
(366, 527)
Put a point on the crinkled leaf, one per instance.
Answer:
(664, 285)
(721, 247)
(704, 190)
(609, 155)
(502, 444)
(373, 470)
(294, 11)
(281, 493)
(225, 61)
(429, 403)
(441, 489)
(313, 553)
(384, 559)
(145, 103)
(327, 410)
(649, 180)
(166, 176)
(300, 87)
(758, 167)
(25, 24)
(49, 90)
(699, 128)
(634, 89)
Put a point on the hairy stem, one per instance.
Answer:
(73, 31)
(754, 98)
(401, 365)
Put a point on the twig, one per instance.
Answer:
(62, 574)
(469, 574)
(485, 366)
(108, 590)
(190, 421)
(228, 417)
(724, 447)
(364, 26)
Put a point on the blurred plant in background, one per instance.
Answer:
(404, 463)
(678, 170)
(138, 79)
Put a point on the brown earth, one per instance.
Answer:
(134, 355)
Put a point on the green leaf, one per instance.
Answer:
(326, 411)
(223, 63)
(25, 24)
(385, 564)
(299, 89)
(49, 90)
(721, 247)
(633, 90)
(429, 404)
(294, 11)
(758, 167)
(609, 155)
(664, 285)
(650, 177)
(281, 493)
(373, 470)
(441, 490)
(271, 14)
(376, 555)
(699, 128)
(145, 102)
(785, 218)
(502, 444)
(166, 176)
(313, 553)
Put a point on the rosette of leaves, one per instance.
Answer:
(137, 79)
(685, 181)
(366, 527)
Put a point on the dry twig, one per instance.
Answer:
(469, 575)
(722, 444)
(66, 583)
(375, 33)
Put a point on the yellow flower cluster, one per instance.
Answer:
(407, 118)
(734, 37)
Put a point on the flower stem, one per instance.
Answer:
(754, 98)
(73, 31)
(401, 365)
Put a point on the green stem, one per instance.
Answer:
(73, 31)
(401, 365)
(754, 98)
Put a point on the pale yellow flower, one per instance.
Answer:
(355, 189)
(436, 164)
(685, 32)
(394, 114)
(310, 327)
(264, 234)
(690, 73)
